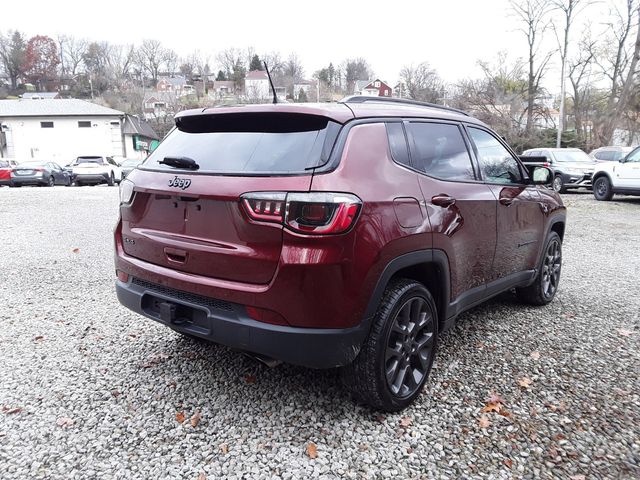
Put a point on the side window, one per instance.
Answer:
(398, 143)
(604, 155)
(439, 150)
(496, 163)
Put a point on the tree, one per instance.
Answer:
(255, 63)
(302, 96)
(151, 57)
(221, 76)
(72, 51)
(355, 69)
(534, 15)
(422, 83)
(569, 10)
(618, 62)
(12, 55)
(580, 73)
(41, 60)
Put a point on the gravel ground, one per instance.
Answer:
(91, 390)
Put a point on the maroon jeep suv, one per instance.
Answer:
(345, 234)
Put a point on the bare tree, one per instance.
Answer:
(581, 76)
(422, 83)
(618, 61)
(355, 69)
(151, 57)
(72, 51)
(569, 10)
(533, 14)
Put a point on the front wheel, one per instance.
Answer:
(602, 189)
(396, 358)
(544, 287)
(558, 184)
(111, 180)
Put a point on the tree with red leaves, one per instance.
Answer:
(41, 61)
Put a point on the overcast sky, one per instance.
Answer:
(450, 34)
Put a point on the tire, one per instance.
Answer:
(387, 378)
(558, 184)
(69, 182)
(602, 189)
(543, 289)
(51, 182)
(111, 180)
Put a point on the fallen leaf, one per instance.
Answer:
(578, 477)
(405, 422)
(195, 419)
(172, 384)
(38, 338)
(180, 417)
(569, 315)
(535, 355)
(202, 476)
(224, 448)
(492, 407)
(250, 379)
(64, 422)
(624, 332)
(76, 250)
(484, 421)
(525, 382)
(115, 393)
(312, 450)
(495, 398)
(409, 450)
(508, 462)
(14, 410)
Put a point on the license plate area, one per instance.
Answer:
(177, 315)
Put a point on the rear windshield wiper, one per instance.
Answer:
(180, 162)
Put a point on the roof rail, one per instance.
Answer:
(404, 101)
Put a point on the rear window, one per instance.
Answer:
(80, 160)
(248, 143)
(3, 164)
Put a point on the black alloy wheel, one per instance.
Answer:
(409, 348)
(396, 357)
(51, 182)
(551, 266)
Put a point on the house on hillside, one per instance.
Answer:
(306, 86)
(139, 137)
(175, 85)
(375, 88)
(257, 87)
(222, 89)
(59, 130)
(158, 105)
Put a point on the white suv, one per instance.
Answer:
(91, 170)
(622, 177)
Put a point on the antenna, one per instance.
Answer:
(275, 97)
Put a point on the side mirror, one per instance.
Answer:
(541, 175)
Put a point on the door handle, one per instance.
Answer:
(443, 200)
(506, 201)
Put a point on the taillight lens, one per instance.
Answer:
(126, 191)
(315, 213)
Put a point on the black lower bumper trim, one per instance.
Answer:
(231, 326)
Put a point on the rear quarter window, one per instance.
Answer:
(268, 143)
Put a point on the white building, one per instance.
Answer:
(59, 130)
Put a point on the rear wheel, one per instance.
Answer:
(545, 286)
(51, 182)
(602, 189)
(396, 358)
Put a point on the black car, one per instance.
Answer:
(40, 173)
(571, 166)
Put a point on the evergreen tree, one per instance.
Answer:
(255, 64)
(221, 76)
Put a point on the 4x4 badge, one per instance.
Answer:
(178, 182)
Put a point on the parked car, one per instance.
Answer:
(571, 166)
(93, 170)
(5, 171)
(45, 174)
(621, 177)
(610, 154)
(129, 164)
(334, 235)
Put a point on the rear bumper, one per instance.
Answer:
(29, 180)
(228, 324)
(94, 178)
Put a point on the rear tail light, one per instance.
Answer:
(38, 169)
(315, 213)
(126, 191)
